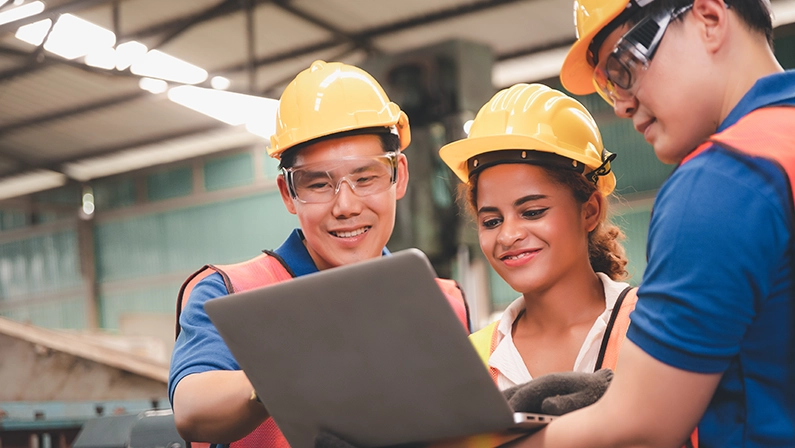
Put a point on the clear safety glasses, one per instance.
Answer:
(624, 66)
(320, 182)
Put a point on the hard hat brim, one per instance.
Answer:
(576, 74)
(456, 154)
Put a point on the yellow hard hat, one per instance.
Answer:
(531, 123)
(329, 98)
(590, 17)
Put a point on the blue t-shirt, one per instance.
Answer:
(717, 294)
(199, 347)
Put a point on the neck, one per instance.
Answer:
(572, 300)
(757, 61)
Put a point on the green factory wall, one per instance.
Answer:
(155, 227)
(143, 248)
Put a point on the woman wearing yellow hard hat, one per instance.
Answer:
(536, 176)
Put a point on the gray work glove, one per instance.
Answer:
(328, 440)
(559, 393)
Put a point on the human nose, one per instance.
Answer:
(625, 107)
(510, 232)
(346, 203)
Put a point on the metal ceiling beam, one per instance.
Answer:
(51, 13)
(360, 42)
(24, 163)
(84, 108)
(221, 9)
(375, 32)
(57, 164)
(182, 24)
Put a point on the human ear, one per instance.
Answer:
(592, 211)
(285, 193)
(712, 19)
(402, 175)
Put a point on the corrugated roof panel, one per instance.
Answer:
(141, 14)
(113, 127)
(279, 31)
(56, 88)
(223, 42)
(506, 28)
(217, 43)
(353, 16)
(275, 75)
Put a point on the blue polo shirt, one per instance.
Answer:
(199, 347)
(717, 294)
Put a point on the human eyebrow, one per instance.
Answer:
(529, 198)
(488, 210)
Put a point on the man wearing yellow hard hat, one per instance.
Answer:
(339, 141)
(712, 340)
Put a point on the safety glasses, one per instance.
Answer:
(615, 78)
(320, 182)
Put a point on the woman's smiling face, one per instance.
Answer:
(530, 227)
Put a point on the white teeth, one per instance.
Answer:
(352, 234)
(516, 257)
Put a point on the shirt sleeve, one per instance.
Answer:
(718, 235)
(199, 347)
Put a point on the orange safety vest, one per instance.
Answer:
(268, 269)
(485, 341)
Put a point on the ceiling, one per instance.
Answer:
(60, 114)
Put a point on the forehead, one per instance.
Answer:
(510, 181)
(335, 148)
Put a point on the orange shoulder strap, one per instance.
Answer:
(265, 269)
(616, 330)
(765, 132)
(455, 296)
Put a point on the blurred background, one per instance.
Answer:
(132, 153)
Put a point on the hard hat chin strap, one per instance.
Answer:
(603, 169)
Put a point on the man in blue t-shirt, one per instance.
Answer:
(712, 340)
(339, 141)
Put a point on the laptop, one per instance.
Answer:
(371, 352)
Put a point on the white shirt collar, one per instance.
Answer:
(509, 363)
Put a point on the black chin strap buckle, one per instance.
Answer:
(603, 169)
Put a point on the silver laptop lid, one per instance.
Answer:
(371, 351)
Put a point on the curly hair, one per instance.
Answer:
(605, 251)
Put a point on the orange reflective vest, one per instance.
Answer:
(268, 269)
(486, 339)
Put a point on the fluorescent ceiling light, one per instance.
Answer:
(152, 85)
(157, 64)
(129, 53)
(72, 37)
(34, 33)
(31, 9)
(102, 58)
(159, 153)
(229, 107)
(30, 182)
(220, 83)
